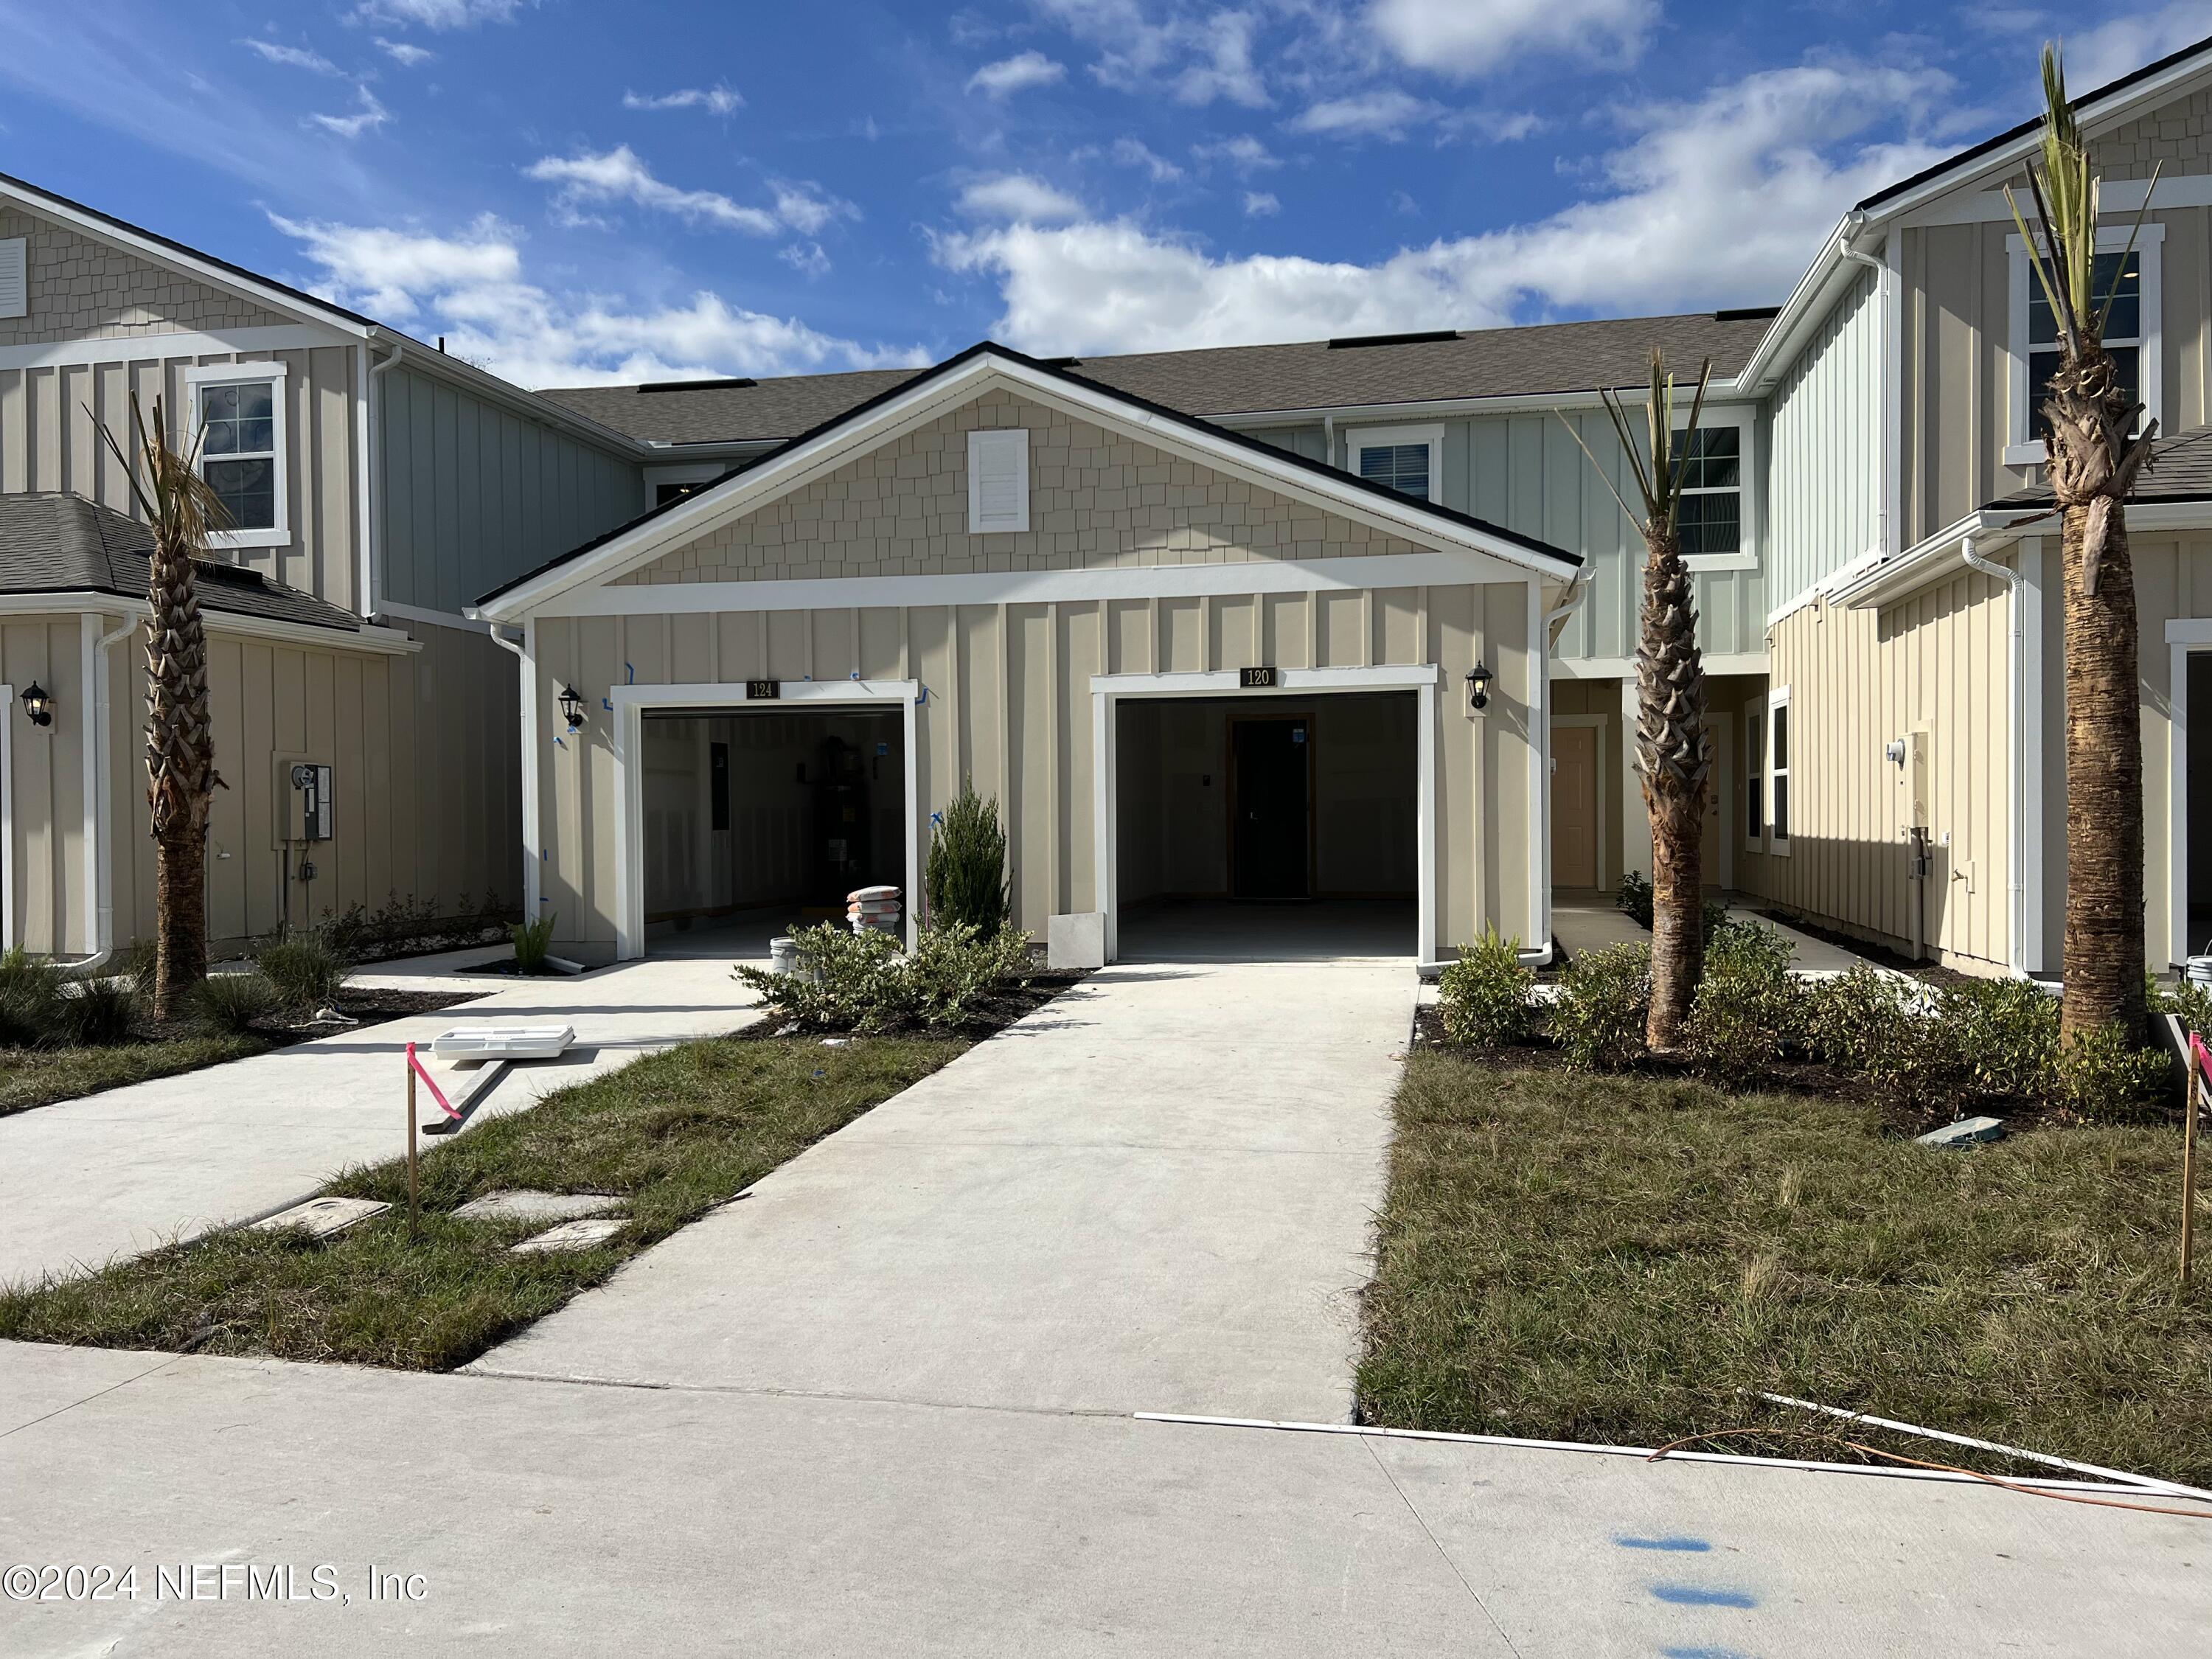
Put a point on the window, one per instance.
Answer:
(1406, 458)
(665, 492)
(1755, 776)
(998, 481)
(238, 413)
(2130, 282)
(1714, 460)
(1777, 770)
(14, 277)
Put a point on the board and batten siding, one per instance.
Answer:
(474, 494)
(44, 792)
(1823, 449)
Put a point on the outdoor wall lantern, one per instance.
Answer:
(571, 708)
(38, 704)
(1477, 687)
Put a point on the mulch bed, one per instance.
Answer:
(363, 1007)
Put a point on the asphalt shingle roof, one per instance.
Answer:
(52, 543)
(1531, 361)
(2180, 469)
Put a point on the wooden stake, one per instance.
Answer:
(414, 1220)
(2189, 1176)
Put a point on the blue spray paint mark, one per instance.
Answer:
(1695, 1595)
(1701, 1653)
(1698, 1544)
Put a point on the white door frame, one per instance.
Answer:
(633, 702)
(7, 816)
(1109, 689)
(2184, 637)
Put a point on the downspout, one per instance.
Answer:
(1554, 620)
(102, 883)
(526, 678)
(1884, 527)
(2016, 804)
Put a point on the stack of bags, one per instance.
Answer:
(873, 907)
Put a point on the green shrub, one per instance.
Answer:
(2006, 1031)
(2192, 1004)
(143, 962)
(306, 969)
(965, 878)
(1633, 897)
(29, 988)
(229, 1005)
(1747, 1009)
(533, 943)
(1847, 1020)
(866, 982)
(2100, 1077)
(1604, 999)
(96, 1013)
(953, 974)
(1484, 996)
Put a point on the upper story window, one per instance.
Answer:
(1407, 458)
(238, 416)
(2130, 281)
(1713, 517)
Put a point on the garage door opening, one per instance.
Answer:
(1282, 828)
(759, 821)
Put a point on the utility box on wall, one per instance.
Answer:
(303, 800)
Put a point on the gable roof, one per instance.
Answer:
(1291, 470)
(52, 543)
(1243, 380)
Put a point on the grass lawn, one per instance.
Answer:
(675, 1133)
(39, 1077)
(1618, 1259)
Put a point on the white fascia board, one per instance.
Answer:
(800, 465)
(1808, 304)
(1723, 390)
(428, 359)
(1891, 579)
(385, 642)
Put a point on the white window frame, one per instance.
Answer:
(1778, 843)
(246, 373)
(1013, 524)
(1754, 766)
(2022, 447)
(1358, 442)
(1744, 418)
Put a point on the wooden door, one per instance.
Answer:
(1574, 806)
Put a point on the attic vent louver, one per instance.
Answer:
(998, 481)
(1748, 314)
(1435, 335)
(14, 277)
(733, 385)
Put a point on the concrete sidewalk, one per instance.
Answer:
(1154, 1193)
(84, 1180)
(562, 1519)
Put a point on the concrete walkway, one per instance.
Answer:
(1584, 925)
(1154, 1193)
(84, 1180)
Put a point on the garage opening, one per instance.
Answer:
(758, 821)
(1280, 828)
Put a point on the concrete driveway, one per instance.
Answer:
(1154, 1194)
(114, 1173)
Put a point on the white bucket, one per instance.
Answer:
(2197, 970)
(783, 954)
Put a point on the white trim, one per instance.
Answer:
(1744, 417)
(533, 853)
(1754, 774)
(1109, 689)
(91, 663)
(1540, 785)
(2114, 196)
(2186, 636)
(1358, 439)
(7, 816)
(626, 730)
(364, 580)
(249, 372)
(1600, 724)
(417, 613)
(2022, 449)
(167, 348)
(1036, 586)
(1624, 668)
(2027, 594)
(1777, 842)
(1258, 421)
(800, 463)
(1014, 443)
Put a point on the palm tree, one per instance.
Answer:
(180, 510)
(2096, 453)
(1674, 752)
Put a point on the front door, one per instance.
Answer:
(1271, 767)
(1574, 806)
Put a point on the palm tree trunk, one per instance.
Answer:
(2103, 947)
(181, 775)
(1673, 753)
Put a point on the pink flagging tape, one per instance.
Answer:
(431, 1083)
(2202, 1057)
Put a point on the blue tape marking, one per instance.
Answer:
(1662, 1543)
(633, 673)
(1701, 1653)
(1694, 1595)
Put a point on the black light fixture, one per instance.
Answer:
(1477, 686)
(572, 707)
(38, 704)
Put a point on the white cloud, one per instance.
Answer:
(2111, 50)
(1133, 153)
(1020, 197)
(619, 175)
(1383, 114)
(403, 53)
(1456, 37)
(440, 13)
(717, 101)
(1718, 201)
(293, 56)
(1194, 59)
(371, 115)
(807, 258)
(1246, 154)
(472, 289)
(1009, 76)
(1259, 204)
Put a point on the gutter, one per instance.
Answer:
(2016, 804)
(1544, 954)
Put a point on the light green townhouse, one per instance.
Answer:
(1344, 621)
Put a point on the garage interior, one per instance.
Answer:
(758, 821)
(1273, 828)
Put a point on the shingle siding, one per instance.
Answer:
(82, 289)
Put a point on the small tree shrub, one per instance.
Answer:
(533, 943)
(2191, 1004)
(142, 962)
(307, 970)
(96, 1013)
(29, 988)
(966, 876)
(866, 982)
(1633, 897)
(1604, 999)
(2007, 1032)
(1747, 1009)
(1483, 998)
(2100, 1077)
(1847, 1020)
(230, 1004)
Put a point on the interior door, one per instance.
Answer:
(1270, 851)
(1574, 806)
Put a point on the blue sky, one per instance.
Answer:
(576, 192)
